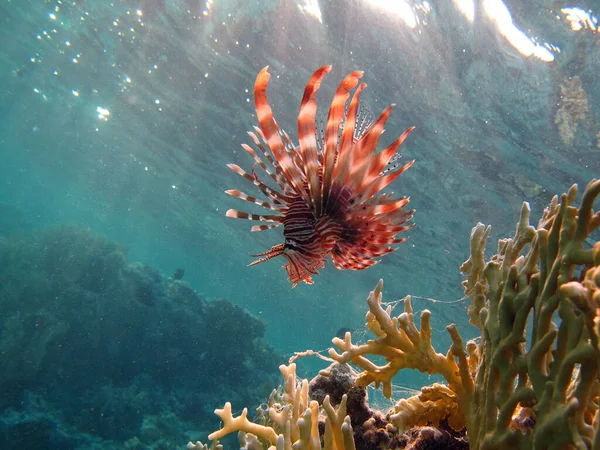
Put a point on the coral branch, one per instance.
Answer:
(241, 423)
(403, 345)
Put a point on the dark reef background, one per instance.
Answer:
(98, 352)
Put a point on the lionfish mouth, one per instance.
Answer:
(276, 250)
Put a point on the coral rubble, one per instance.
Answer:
(529, 382)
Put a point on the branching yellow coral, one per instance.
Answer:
(404, 346)
(530, 382)
(432, 405)
(497, 379)
(556, 377)
(586, 295)
(241, 423)
(292, 421)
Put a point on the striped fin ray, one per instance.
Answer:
(350, 261)
(342, 165)
(288, 143)
(334, 119)
(271, 132)
(384, 235)
(301, 268)
(381, 182)
(288, 146)
(395, 240)
(365, 148)
(236, 214)
(386, 207)
(364, 122)
(248, 198)
(376, 165)
(395, 220)
(373, 250)
(370, 235)
(380, 160)
(293, 152)
(260, 162)
(279, 178)
(383, 242)
(273, 195)
(355, 257)
(265, 227)
(367, 144)
(307, 136)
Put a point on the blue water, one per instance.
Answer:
(117, 122)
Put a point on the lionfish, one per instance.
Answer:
(328, 196)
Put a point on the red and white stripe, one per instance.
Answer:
(328, 194)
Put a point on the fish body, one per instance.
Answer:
(325, 192)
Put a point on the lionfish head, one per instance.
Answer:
(326, 192)
(301, 265)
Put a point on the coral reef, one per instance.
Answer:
(550, 372)
(97, 348)
(291, 417)
(529, 382)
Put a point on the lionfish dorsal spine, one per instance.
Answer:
(259, 162)
(370, 182)
(277, 176)
(342, 166)
(383, 181)
(274, 196)
(272, 136)
(307, 137)
(362, 156)
(334, 120)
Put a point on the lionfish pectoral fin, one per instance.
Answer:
(275, 251)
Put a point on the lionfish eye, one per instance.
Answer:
(290, 244)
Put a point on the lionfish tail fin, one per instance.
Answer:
(275, 251)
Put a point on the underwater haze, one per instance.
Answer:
(127, 310)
